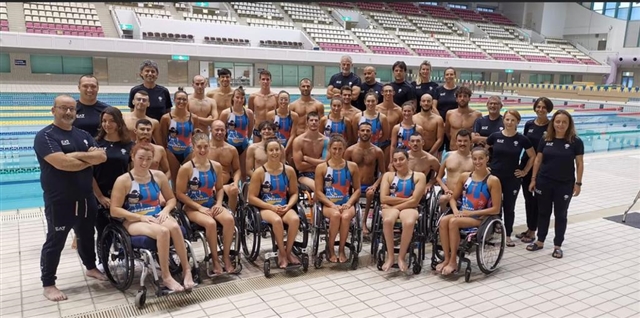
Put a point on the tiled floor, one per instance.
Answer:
(598, 277)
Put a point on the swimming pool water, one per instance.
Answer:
(19, 169)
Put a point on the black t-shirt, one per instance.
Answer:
(88, 116)
(506, 152)
(558, 157)
(118, 158)
(403, 92)
(484, 126)
(534, 133)
(423, 88)
(159, 100)
(446, 100)
(364, 89)
(338, 80)
(58, 185)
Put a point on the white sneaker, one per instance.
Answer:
(100, 267)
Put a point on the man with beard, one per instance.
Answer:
(204, 107)
(432, 126)
(309, 150)
(455, 163)
(88, 107)
(348, 111)
(141, 102)
(142, 132)
(370, 161)
(262, 102)
(345, 77)
(159, 96)
(422, 161)
(461, 118)
(66, 155)
(369, 84)
(223, 94)
(305, 105)
(228, 157)
(487, 125)
(256, 155)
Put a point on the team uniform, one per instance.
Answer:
(284, 125)
(376, 130)
(274, 189)
(159, 100)
(337, 184)
(403, 92)
(422, 89)
(335, 127)
(338, 80)
(88, 116)
(446, 101)
(404, 135)
(476, 195)
(534, 133)
(179, 142)
(238, 131)
(143, 199)
(202, 186)
(364, 90)
(402, 188)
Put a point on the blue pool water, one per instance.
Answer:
(19, 170)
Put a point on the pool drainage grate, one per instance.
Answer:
(22, 215)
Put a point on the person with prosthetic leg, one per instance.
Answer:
(200, 190)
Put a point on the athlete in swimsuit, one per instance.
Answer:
(335, 122)
(240, 123)
(380, 130)
(309, 150)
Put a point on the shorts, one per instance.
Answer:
(310, 175)
(256, 133)
(241, 149)
(182, 156)
(445, 144)
(363, 188)
(384, 144)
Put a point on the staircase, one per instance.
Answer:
(407, 47)
(355, 38)
(286, 16)
(15, 15)
(108, 25)
(172, 9)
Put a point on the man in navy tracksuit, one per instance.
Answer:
(66, 154)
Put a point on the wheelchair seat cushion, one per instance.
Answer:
(147, 243)
(469, 230)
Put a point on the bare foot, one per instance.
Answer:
(388, 264)
(343, 257)
(74, 242)
(282, 261)
(54, 294)
(95, 273)
(402, 264)
(171, 284)
(449, 269)
(229, 266)
(440, 266)
(333, 258)
(217, 269)
(188, 280)
(293, 259)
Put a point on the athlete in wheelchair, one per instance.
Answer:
(140, 229)
(200, 189)
(400, 196)
(472, 222)
(337, 184)
(273, 198)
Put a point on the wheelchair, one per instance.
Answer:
(195, 232)
(253, 229)
(487, 239)
(417, 248)
(120, 252)
(320, 228)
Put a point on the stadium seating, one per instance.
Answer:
(332, 38)
(461, 47)
(4, 20)
(172, 37)
(496, 18)
(345, 5)
(380, 42)
(423, 45)
(262, 10)
(497, 50)
(62, 18)
(208, 18)
(146, 12)
(306, 13)
(226, 41)
(392, 21)
(496, 31)
(372, 6)
(439, 12)
(429, 25)
(467, 15)
(406, 8)
(276, 24)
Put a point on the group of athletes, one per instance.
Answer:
(200, 150)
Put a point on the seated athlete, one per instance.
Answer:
(135, 198)
(401, 132)
(309, 150)
(400, 194)
(380, 130)
(177, 127)
(143, 129)
(422, 161)
(240, 123)
(227, 156)
(199, 188)
(256, 156)
(476, 190)
(274, 191)
(285, 121)
(455, 163)
(335, 179)
(335, 122)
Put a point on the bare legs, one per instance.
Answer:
(339, 222)
(408, 218)
(285, 254)
(450, 226)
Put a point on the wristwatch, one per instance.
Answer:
(579, 184)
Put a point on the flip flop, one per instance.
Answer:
(522, 235)
(557, 253)
(534, 247)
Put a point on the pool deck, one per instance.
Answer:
(598, 276)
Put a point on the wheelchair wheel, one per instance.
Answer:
(467, 274)
(305, 262)
(251, 230)
(267, 269)
(141, 297)
(490, 251)
(380, 259)
(376, 230)
(117, 255)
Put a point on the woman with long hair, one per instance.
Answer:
(200, 190)
(338, 190)
(507, 146)
(114, 138)
(335, 123)
(557, 176)
(380, 130)
(136, 199)
(534, 130)
(176, 128)
(274, 191)
(240, 122)
(400, 194)
(477, 190)
(423, 84)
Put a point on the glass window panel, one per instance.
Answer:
(304, 71)
(610, 12)
(290, 75)
(5, 63)
(636, 5)
(635, 14)
(276, 74)
(243, 74)
(598, 6)
(624, 4)
(623, 13)
(77, 65)
(385, 75)
(43, 64)
(328, 72)
(610, 5)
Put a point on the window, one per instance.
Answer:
(598, 6)
(429, 3)
(5, 63)
(457, 6)
(486, 9)
(610, 12)
(635, 13)
(610, 5)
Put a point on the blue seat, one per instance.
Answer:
(147, 243)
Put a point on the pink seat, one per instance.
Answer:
(29, 25)
(66, 32)
(30, 30)
(65, 27)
